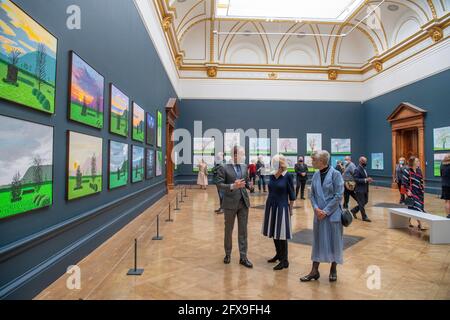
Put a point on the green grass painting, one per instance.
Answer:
(137, 160)
(26, 166)
(118, 164)
(138, 123)
(87, 187)
(89, 117)
(119, 110)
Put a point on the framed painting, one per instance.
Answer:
(151, 129)
(159, 130)
(438, 158)
(230, 140)
(118, 164)
(138, 123)
(84, 167)
(159, 163)
(149, 163)
(87, 88)
(119, 112)
(26, 166)
(441, 137)
(137, 161)
(27, 60)
(341, 146)
(377, 161)
(287, 146)
(313, 142)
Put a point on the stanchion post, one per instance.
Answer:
(185, 192)
(181, 196)
(157, 237)
(169, 219)
(177, 208)
(135, 271)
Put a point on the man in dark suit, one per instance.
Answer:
(233, 180)
(301, 170)
(361, 189)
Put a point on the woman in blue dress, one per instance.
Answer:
(277, 216)
(327, 188)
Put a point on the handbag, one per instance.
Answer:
(346, 218)
(350, 185)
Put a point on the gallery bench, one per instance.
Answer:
(439, 226)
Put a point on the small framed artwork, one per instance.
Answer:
(118, 164)
(341, 146)
(441, 139)
(119, 112)
(159, 134)
(137, 164)
(138, 123)
(159, 162)
(86, 93)
(313, 142)
(84, 167)
(149, 163)
(377, 161)
(27, 60)
(151, 129)
(26, 166)
(438, 158)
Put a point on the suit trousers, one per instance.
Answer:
(347, 195)
(242, 216)
(301, 184)
(281, 247)
(362, 198)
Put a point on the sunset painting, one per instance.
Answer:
(86, 93)
(27, 60)
(138, 123)
(119, 112)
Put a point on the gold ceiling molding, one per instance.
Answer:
(432, 8)
(332, 74)
(433, 29)
(182, 23)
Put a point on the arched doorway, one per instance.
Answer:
(171, 117)
(408, 134)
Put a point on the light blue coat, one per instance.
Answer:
(328, 196)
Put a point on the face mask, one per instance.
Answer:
(301, 161)
(364, 164)
(402, 162)
(346, 162)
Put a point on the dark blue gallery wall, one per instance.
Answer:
(294, 119)
(431, 94)
(114, 41)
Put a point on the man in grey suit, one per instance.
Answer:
(233, 180)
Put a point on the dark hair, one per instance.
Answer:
(411, 161)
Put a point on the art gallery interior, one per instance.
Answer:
(106, 108)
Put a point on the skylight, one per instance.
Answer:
(297, 10)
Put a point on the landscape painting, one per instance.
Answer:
(84, 170)
(27, 60)
(159, 161)
(138, 123)
(151, 129)
(438, 158)
(291, 161)
(209, 160)
(149, 163)
(287, 146)
(259, 146)
(137, 160)
(231, 139)
(159, 135)
(119, 111)
(204, 145)
(377, 161)
(441, 139)
(341, 146)
(313, 142)
(118, 164)
(86, 93)
(26, 166)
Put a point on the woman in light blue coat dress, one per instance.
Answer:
(327, 188)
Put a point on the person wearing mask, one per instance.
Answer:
(252, 173)
(301, 171)
(219, 162)
(445, 177)
(327, 188)
(233, 181)
(349, 182)
(260, 172)
(340, 167)
(412, 181)
(202, 179)
(361, 189)
(398, 177)
(279, 209)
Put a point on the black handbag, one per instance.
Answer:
(346, 218)
(409, 201)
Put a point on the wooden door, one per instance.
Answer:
(171, 117)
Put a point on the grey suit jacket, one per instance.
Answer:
(225, 178)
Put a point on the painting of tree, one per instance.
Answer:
(441, 139)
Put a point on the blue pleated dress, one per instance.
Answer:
(277, 217)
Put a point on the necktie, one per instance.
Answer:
(238, 172)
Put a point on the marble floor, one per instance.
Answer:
(187, 263)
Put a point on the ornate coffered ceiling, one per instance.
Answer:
(377, 36)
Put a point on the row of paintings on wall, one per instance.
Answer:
(28, 77)
(26, 165)
(441, 143)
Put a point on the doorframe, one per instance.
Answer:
(172, 115)
(407, 116)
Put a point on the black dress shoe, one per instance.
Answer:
(333, 277)
(367, 220)
(274, 259)
(310, 277)
(246, 263)
(303, 198)
(227, 259)
(281, 266)
(354, 215)
(448, 216)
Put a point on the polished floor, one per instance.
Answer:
(187, 263)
